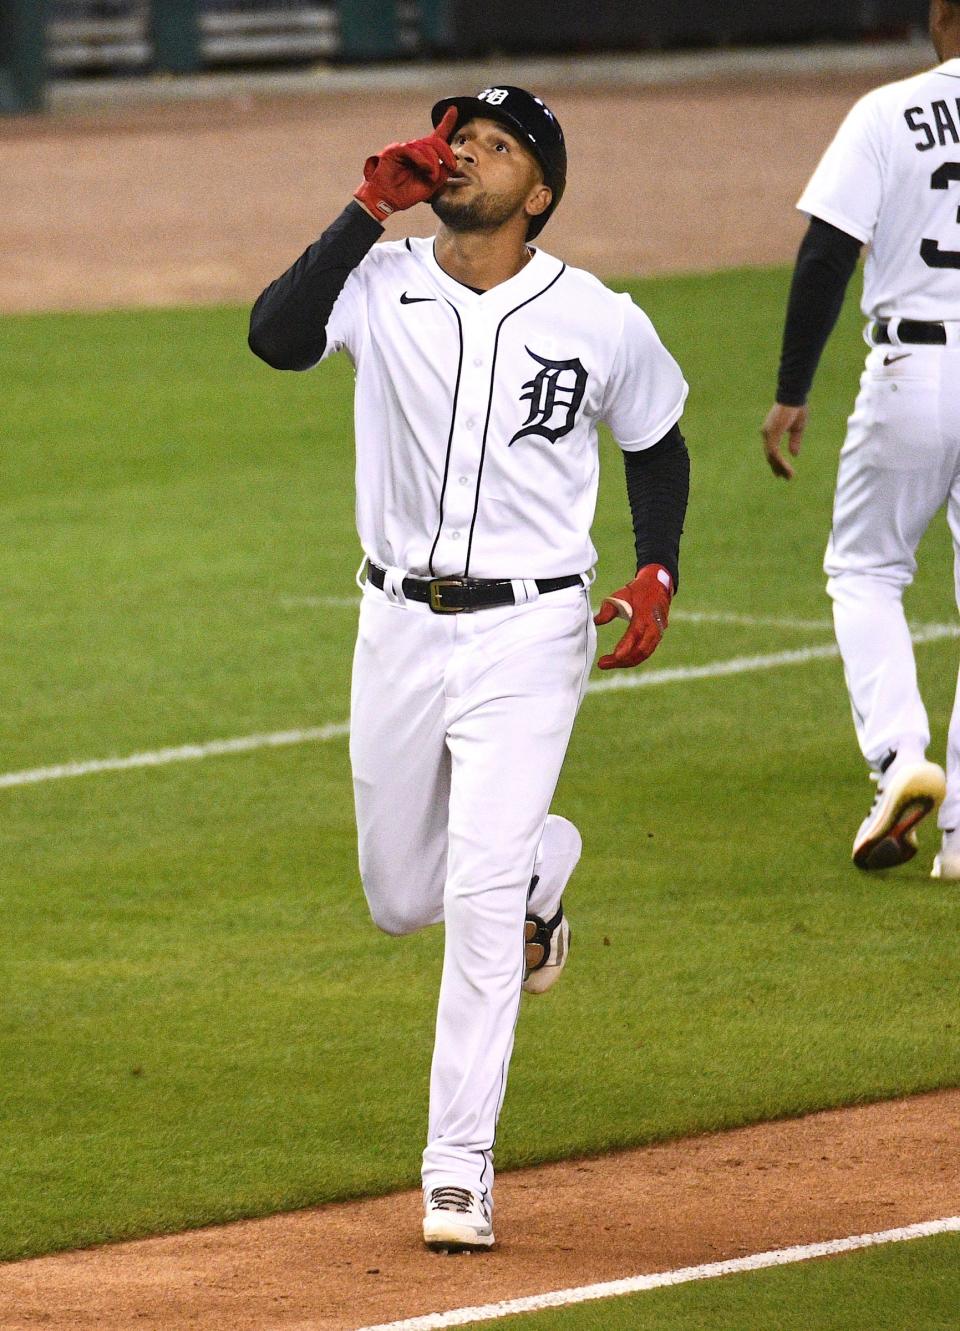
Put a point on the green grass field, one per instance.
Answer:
(199, 1022)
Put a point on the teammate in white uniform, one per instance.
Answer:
(889, 180)
(483, 367)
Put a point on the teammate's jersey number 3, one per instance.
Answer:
(930, 251)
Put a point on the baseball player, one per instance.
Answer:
(889, 180)
(483, 367)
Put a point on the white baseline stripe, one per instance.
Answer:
(185, 753)
(740, 665)
(737, 665)
(563, 1298)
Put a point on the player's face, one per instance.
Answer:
(496, 179)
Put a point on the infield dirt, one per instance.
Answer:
(180, 204)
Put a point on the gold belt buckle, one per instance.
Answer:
(435, 588)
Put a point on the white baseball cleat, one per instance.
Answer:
(946, 863)
(546, 944)
(456, 1220)
(906, 793)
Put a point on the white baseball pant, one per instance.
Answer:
(899, 464)
(459, 727)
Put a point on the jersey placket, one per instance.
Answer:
(467, 445)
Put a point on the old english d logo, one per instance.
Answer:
(555, 394)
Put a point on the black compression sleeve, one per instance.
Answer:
(288, 324)
(658, 485)
(825, 262)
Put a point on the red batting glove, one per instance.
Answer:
(645, 604)
(407, 173)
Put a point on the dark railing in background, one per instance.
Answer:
(85, 36)
(570, 26)
(68, 38)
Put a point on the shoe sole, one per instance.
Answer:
(917, 793)
(447, 1236)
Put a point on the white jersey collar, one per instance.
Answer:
(533, 278)
(951, 66)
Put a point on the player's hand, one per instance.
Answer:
(645, 604)
(403, 174)
(783, 420)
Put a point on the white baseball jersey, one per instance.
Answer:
(891, 179)
(476, 414)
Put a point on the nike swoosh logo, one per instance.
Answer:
(892, 360)
(414, 300)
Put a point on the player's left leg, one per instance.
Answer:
(895, 471)
(513, 698)
(947, 862)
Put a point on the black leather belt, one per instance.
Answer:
(455, 596)
(912, 330)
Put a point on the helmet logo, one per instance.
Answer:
(493, 96)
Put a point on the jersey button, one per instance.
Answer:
(470, 423)
(464, 480)
(455, 536)
(478, 361)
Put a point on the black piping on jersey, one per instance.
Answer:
(486, 423)
(453, 417)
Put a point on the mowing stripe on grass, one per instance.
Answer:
(214, 748)
(563, 1298)
(680, 616)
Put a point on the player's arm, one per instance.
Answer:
(658, 486)
(288, 323)
(825, 263)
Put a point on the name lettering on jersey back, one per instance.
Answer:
(555, 394)
(945, 126)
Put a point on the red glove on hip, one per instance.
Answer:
(407, 173)
(645, 604)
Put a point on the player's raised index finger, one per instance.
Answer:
(445, 128)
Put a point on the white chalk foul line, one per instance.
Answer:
(740, 665)
(736, 665)
(185, 753)
(637, 679)
(759, 1261)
